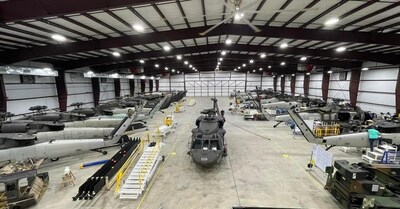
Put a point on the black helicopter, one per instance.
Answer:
(207, 146)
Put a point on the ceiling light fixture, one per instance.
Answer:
(284, 45)
(341, 49)
(282, 75)
(238, 15)
(58, 37)
(223, 53)
(190, 66)
(138, 28)
(283, 63)
(173, 70)
(239, 67)
(251, 61)
(254, 71)
(167, 48)
(329, 72)
(244, 65)
(186, 62)
(152, 77)
(303, 58)
(263, 55)
(260, 69)
(166, 68)
(308, 73)
(177, 71)
(156, 65)
(228, 41)
(220, 59)
(364, 69)
(332, 21)
(141, 61)
(269, 66)
(116, 54)
(293, 74)
(178, 57)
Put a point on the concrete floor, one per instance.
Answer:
(265, 167)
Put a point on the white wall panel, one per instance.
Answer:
(299, 90)
(20, 97)
(339, 88)
(125, 90)
(316, 85)
(107, 90)
(79, 89)
(268, 82)
(377, 90)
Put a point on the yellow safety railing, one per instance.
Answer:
(122, 171)
(145, 166)
(327, 130)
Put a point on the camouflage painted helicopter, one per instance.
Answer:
(207, 144)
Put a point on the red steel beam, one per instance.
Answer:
(142, 85)
(132, 87)
(283, 84)
(227, 29)
(151, 85)
(293, 85)
(117, 87)
(61, 91)
(354, 85)
(3, 95)
(325, 85)
(398, 93)
(16, 10)
(306, 85)
(96, 91)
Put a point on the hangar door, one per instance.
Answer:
(214, 83)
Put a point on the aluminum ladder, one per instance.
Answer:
(142, 173)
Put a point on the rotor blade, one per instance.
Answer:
(256, 29)
(216, 25)
(285, 10)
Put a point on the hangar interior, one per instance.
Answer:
(199, 104)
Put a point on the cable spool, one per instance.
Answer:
(297, 109)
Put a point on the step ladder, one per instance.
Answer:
(142, 173)
(377, 155)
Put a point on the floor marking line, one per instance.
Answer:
(319, 184)
(161, 168)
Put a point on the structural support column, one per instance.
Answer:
(275, 83)
(96, 91)
(325, 85)
(61, 91)
(184, 81)
(293, 85)
(306, 85)
(169, 79)
(398, 93)
(117, 87)
(245, 83)
(142, 85)
(157, 85)
(151, 85)
(283, 85)
(3, 95)
(354, 85)
(132, 87)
